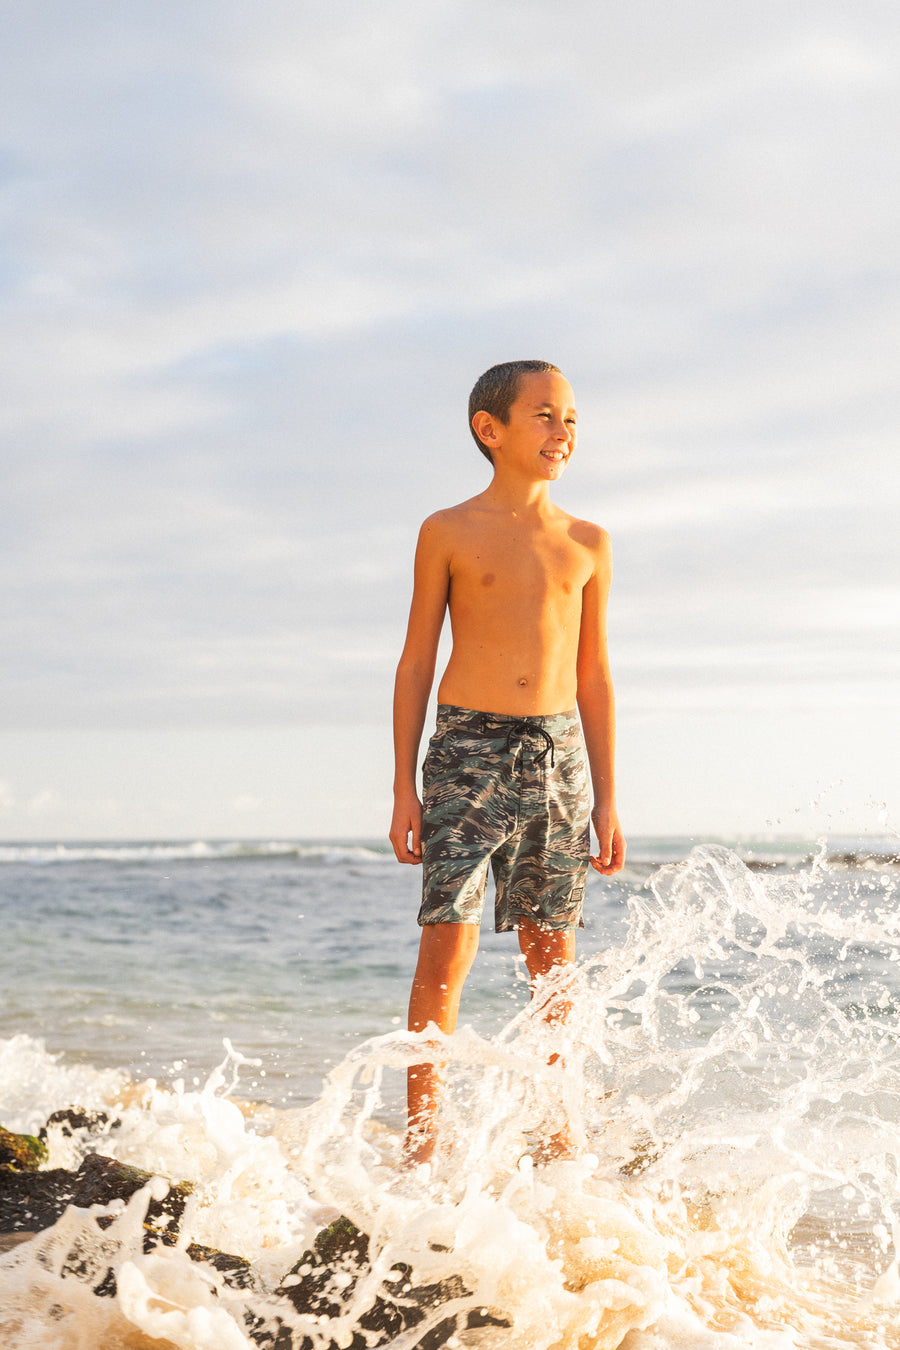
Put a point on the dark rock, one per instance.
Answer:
(31, 1201)
(235, 1270)
(22, 1152)
(341, 1241)
(102, 1180)
(342, 1249)
(74, 1118)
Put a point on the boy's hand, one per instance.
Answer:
(611, 844)
(406, 830)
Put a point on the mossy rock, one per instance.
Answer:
(340, 1241)
(21, 1152)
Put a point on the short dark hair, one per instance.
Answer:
(497, 390)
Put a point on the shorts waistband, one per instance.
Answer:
(550, 728)
(471, 719)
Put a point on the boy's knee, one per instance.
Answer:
(543, 948)
(448, 947)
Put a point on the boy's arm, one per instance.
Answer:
(415, 675)
(596, 705)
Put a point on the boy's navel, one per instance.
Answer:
(523, 682)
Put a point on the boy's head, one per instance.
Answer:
(497, 389)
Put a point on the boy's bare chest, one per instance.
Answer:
(520, 565)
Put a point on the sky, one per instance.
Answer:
(252, 259)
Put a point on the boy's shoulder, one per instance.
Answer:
(450, 519)
(589, 534)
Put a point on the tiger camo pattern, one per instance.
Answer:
(512, 793)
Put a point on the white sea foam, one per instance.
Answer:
(775, 852)
(731, 1076)
(35, 1083)
(200, 850)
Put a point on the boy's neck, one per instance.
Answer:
(507, 492)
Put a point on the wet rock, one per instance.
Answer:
(235, 1270)
(102, 1180)
(34, 1200)
(21, 1152)
(323, 1279)
(318, 1286)
(30, 1201)
(74, 1118)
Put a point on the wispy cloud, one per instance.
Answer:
(253, 261)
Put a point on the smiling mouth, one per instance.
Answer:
(558, 456)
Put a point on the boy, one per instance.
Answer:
(504, 778)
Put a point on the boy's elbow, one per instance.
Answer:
(594, 684)
(413, 671)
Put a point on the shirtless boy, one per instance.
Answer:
(504, 779)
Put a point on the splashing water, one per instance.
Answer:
(729, 1076)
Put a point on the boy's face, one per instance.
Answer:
(539, 437)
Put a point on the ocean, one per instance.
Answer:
(730, 1073)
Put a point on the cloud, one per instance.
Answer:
(45, 803)
(253, 262)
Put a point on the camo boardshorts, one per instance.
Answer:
(512, 792)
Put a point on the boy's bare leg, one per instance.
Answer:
(446, 953)
(544, 951)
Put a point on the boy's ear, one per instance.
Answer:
(484, 426)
